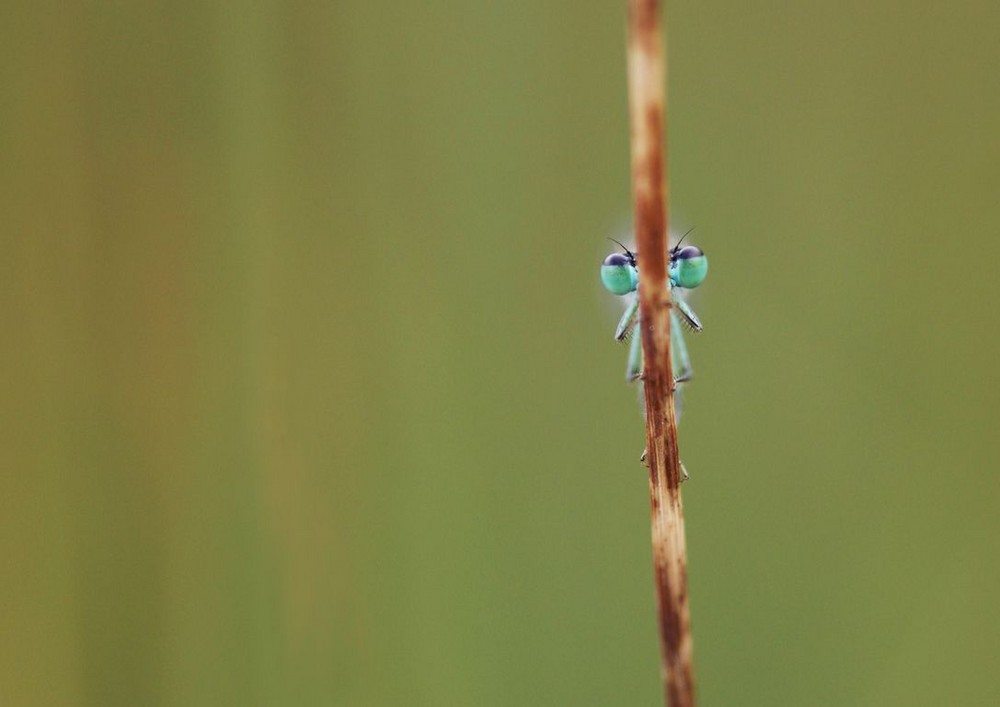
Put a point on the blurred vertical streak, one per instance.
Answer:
(44, 304)
(136, 294)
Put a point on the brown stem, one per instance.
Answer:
(647, 106)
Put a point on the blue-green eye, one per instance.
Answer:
(688, 267)
(618, 274)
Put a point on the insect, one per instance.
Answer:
(620, 275)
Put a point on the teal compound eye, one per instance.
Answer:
(618, 273)
(688, 267)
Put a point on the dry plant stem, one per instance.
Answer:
(647, 106)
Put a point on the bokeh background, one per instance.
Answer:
(309, 395)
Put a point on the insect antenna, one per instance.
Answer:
(629, 253)
(677, 246)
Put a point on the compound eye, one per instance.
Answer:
(688, 267)
(619, 274)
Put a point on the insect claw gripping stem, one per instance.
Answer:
(684, 471)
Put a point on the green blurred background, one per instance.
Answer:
(309, 392)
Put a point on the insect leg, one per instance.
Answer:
(634, 368)
(628, 318)
(679, 351)
(690, 317)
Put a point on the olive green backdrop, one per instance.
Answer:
(309, 395)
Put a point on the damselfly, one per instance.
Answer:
(620, 275)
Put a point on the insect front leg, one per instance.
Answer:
(634, 368)
(628, 318)
(689, 316)
(679, 352)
